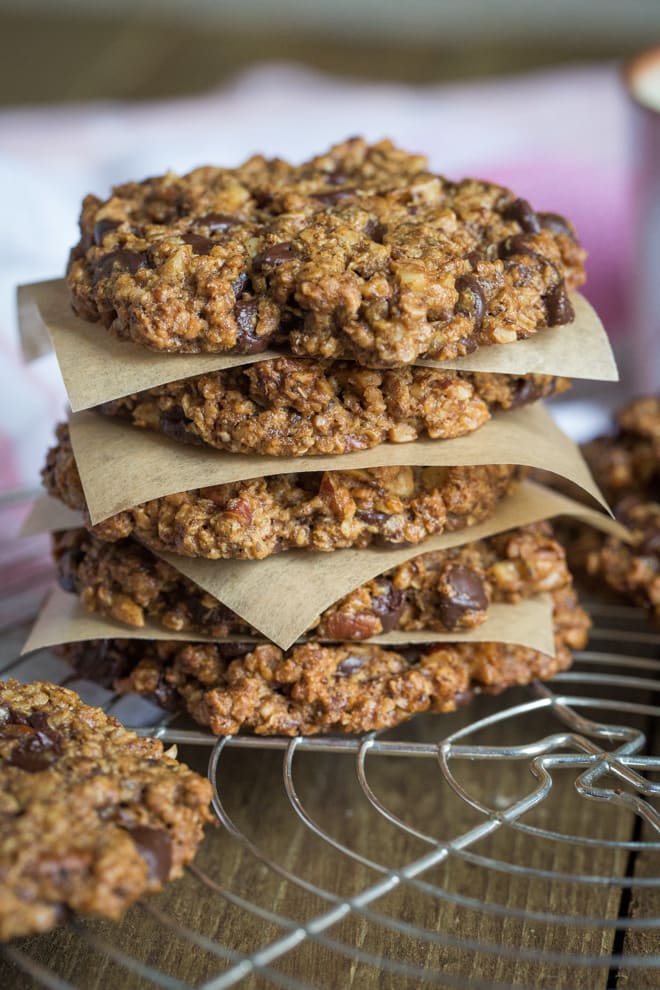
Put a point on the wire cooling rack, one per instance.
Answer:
(515, 843)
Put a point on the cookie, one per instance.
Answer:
(316, 688)
(361, 253)
(444, 590)
(626, 465)
(92, 816)
(317, 510)
(630, 570)
(627, 461)
(290, 406)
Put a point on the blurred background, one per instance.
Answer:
(522, 92)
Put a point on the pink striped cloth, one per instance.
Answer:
(559, 139)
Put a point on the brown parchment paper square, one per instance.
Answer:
(63, 619)
(97, 368)
(47, 515)
(282, 595)
(121, 466)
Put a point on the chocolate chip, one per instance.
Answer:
(471, 284)
(155, 847)
(375, 230)
(466, 593)
(273, 255)
(100, 661)
(246, 313)
(556, 223)
(240, 283)
(468, 344)
(520, 211)
(217, 221)
(262, 197)
(558, 306)
(103, 227)
(389, 607)
(525, 390)
(231, 651)
(349, 666)
(122, 259)
(199, 244)
(334, 196)
(173, 422)
(474, 257)
(372, 518)
(39, 722)
(38, 750)
(516, 244)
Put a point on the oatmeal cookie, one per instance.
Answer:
(626, 465)
(91, 815)
(317, 510)
(631, 570)
(315, 688)
(293, 406)
(627, 461)
(444, 590)
(360, 253)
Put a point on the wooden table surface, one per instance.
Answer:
(249, 891)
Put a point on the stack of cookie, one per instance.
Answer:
(329, 438)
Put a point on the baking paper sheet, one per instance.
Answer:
(97, 368)
(63, 619)
(121, 466)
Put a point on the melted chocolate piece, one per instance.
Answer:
(517, 244)
(334, 196)
(389, 607)
(558, 306)
(100, 661)
(372, 518)
(349, 666)
(556, 223)
(273, 255)
(240, 283)
(526, 390)
(199, 243)
(471, 284)
(103, 227)
(246, 313)
(467, 594)
(172, 423)
(155, 847)
(122, 258)
(217, 221)
(469, 344)
(39, 747)
(375, 230)
(520, 211)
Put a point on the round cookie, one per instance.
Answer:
(361, 253)
(92, 816)
(317, 510)
(292, 406)
(318, 688)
